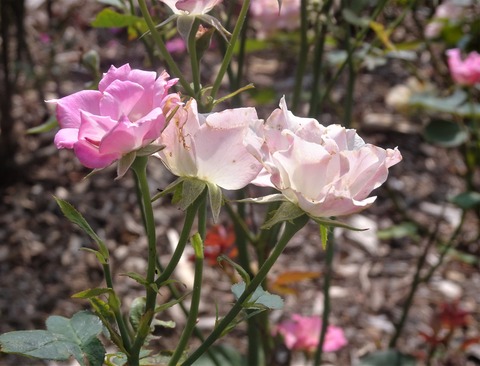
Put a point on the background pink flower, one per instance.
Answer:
(326, 171)
(302, 333)
(464, 71)
(125, 114)
(267, 17)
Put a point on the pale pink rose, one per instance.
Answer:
(464, 71)
(302, 333)
(444, 13)
(326, 171)
(191, 7)
(124, 115)
(212, 147)
(267, 18)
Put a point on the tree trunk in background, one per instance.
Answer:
(13, 43)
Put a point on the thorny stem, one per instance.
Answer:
(139, 167)
(326, 296)
(163, 49)
(290, 229)
(197, 287)
(229, 53)
(418, 279)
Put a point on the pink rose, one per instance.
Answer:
(191, 7)
(124, 115)
(444, 13)
(212, 147)
(326, 171)
(464, 72)
(302, 333)
(267, 17)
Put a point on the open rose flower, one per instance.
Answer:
(326, 171)
(212, 147)
(125, 114)
(302, 333)
(464, 71)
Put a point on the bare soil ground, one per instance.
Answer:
(41, 264)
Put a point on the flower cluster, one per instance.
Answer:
(326, 171)
(302, 333)
(464, 71)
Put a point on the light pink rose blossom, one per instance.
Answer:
(212, 147)
(191, 7)
(444, 13)
(464, 71)
(123, 115)
(267, 17)
(326, 171)
(302, 333)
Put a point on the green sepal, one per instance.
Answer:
(287, 211)
(76, 217)
(215, 23)
(125, 163)
(185, 27)
(169, 189)
(49, 125)
(191, 189)
(276, 197)
(334, 223)
(216, 199)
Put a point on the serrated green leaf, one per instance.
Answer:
(388, 357)
(136, 312)
(467, 200)
(109, 18)
(94, 292)
(63, 338)
(169, 304)
(404, 229)
(259, 298)
(49, 125)
(216, 199)
(224, 354)
(136, 277)
(286, 212)
(448, 104)
(76, 217)
(445, 133)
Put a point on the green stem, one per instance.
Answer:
(194, 62)
(318, 61)
(182, 241)
(326, 296)
(418, 279)
(139, 167)
(157, 38)
(290, 229)
(197, 287)
(229, 53)
(302, 59)
(116, 311)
